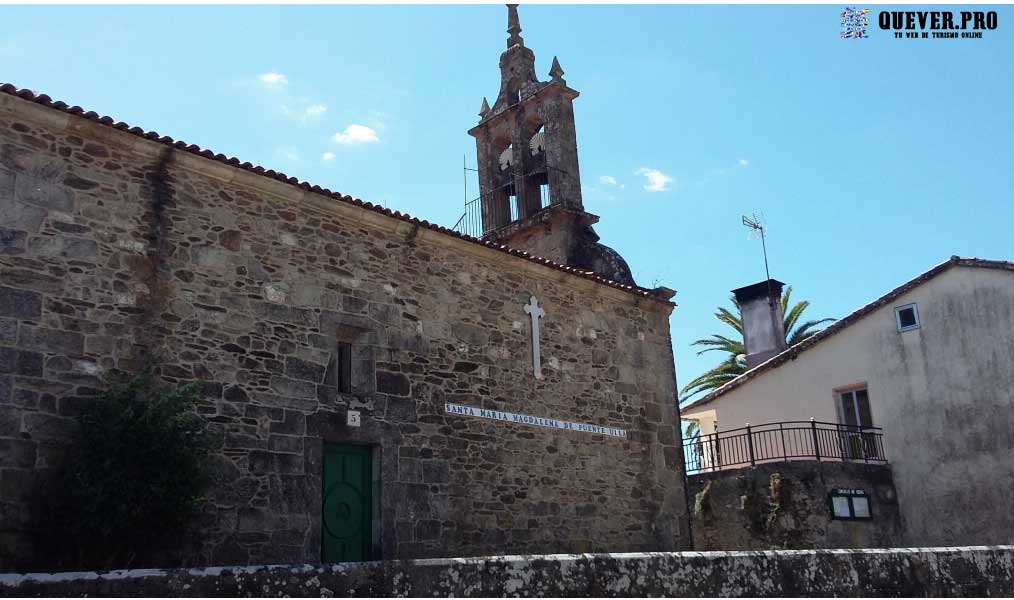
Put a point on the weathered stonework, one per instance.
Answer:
(898, 572)
(117, 248)
(785, 505)
(527, 162)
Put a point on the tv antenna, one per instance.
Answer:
(757, 224)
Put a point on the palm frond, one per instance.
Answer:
(706, 385)
(726, 316)
(715, 340)
(806, 330)
(786, 296)
(728, 370)
(734, 363)
(792, 317)
(722, 343)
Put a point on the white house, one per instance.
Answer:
(930, 363)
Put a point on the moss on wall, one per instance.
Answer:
(785, 506)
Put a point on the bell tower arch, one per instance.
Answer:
(529, 177)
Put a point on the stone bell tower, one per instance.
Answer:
(529, 180)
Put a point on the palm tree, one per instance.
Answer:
(734, 364)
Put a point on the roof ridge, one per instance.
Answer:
(47, 101)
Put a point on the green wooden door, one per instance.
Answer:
(347, 518)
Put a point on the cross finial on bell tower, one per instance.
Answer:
(514, 26)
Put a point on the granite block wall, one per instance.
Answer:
(117, 251)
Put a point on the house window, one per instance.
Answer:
(854, 407)
(907, 317)
(855, 443)
(850, 505)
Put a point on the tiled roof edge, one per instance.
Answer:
(793, 351)
(180, 145)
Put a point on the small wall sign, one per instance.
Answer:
(353, 419)
(850, 504)
(496, 415)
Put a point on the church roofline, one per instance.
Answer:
(661, 295)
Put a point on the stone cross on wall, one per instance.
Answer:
(532, 308)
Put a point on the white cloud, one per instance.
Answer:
(657, 180)
(299, 108)
(327, 156)
(288, 153)
(356, 134)
(304, 114)
(314, 110)
(273, 80)
(720, 172)
(610, 181)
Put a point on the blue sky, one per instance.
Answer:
(871, 160)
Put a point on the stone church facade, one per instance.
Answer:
(369, 376)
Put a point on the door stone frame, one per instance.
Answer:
(384, 439)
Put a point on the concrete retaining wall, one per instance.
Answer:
(969, 571)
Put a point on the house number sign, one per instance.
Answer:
(496, 415)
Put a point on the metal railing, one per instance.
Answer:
(509, 207)
(783, 441)
(470, 223)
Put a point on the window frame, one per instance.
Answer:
(897, 317)
(852, 389)
(854, 441)
(849, 494)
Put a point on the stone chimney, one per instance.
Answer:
(763, 322)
